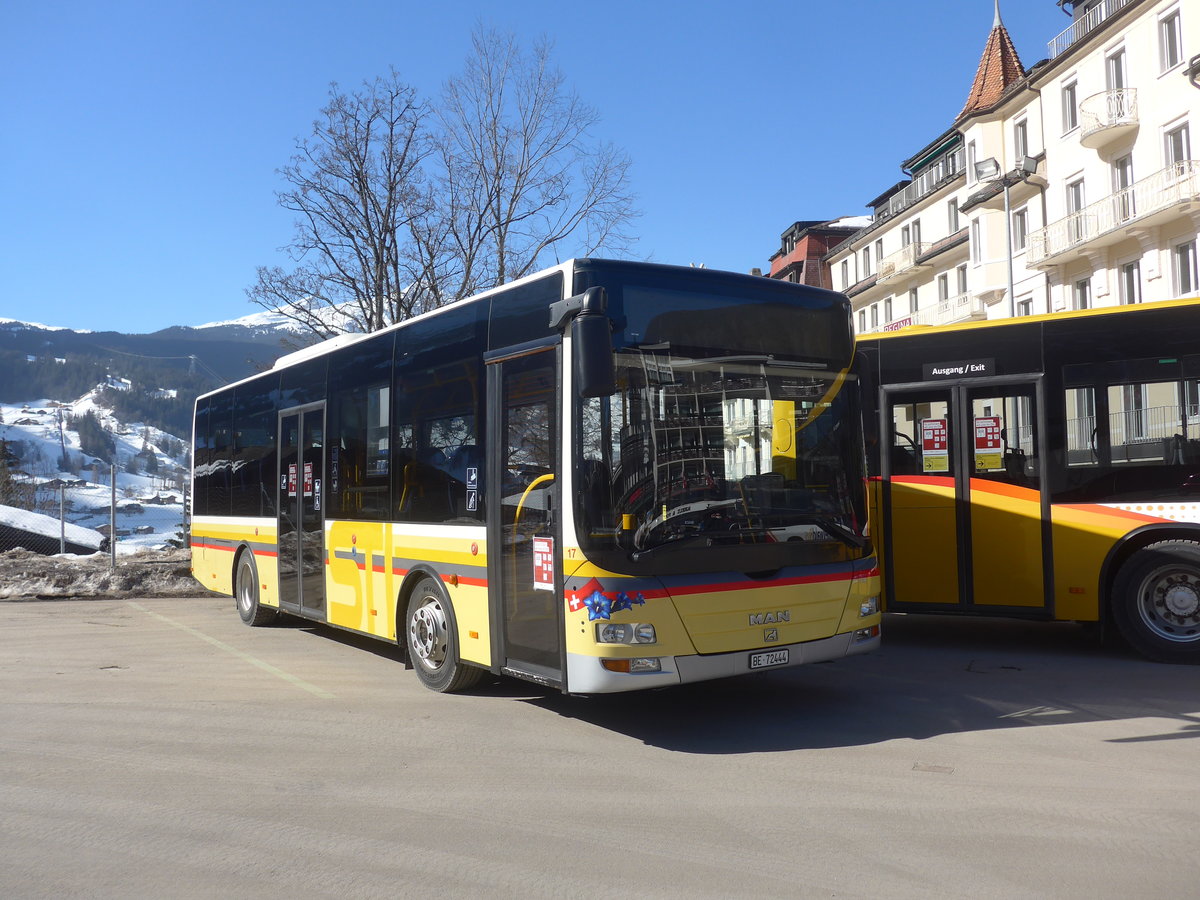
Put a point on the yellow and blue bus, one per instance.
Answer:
(1044, 467)
(603, 477)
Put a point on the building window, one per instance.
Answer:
(1020, 229)
(1184, 258)
(905, 236)
(887, 309)
(943, 283)
(845, 274)
(1074, 207)
(962, 279)
(1021, 140)
(1131, 282)
(1081, 294)
(866, 262)
(874, 315)
(976, 238)
(952, 215)
(1122, 170)
(1025, 306)
(862, 321)
(878, 252)
(916, 233)
(1070, 107)
(1177, 149)
(1114, 70)
(1170, 41)
(971, 161)
(912, 300)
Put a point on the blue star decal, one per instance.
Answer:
(598, 606)
(624, 601)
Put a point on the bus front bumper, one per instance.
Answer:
(586, 674)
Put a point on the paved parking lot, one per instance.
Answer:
(160, 748)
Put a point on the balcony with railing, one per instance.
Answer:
(924, 183)
(1107, 117)
(901, 263)
(1084, 25)
(961, 308)
(1145, 203)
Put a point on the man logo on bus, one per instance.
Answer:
(770, 618)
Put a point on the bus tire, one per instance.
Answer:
(433, 641)
(1156, 601)
(245, 592)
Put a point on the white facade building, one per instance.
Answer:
(1089, 152)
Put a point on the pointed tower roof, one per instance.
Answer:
(998, 68)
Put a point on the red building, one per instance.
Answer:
(802, 246)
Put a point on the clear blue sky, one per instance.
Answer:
(141, 139)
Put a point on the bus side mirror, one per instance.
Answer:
(591, 341)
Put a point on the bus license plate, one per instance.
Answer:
(768, 659)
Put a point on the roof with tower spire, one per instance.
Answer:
(998, 68)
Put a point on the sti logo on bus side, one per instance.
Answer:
(771, 618)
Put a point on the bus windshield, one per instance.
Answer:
(741, 457)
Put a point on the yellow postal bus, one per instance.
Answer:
(1046, 467)
(604, 477)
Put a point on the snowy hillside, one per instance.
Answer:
(43, 453)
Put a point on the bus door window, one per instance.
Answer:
(922, 440)
(289, 539)
(1004, 436)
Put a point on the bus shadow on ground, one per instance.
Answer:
(934, 676)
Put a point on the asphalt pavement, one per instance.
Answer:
(153, 748)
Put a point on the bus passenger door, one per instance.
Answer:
(965, 523)
(1009, 526)
(301, 511)
(920, 499)
(525, 555)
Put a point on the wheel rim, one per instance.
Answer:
(427, 633)
(1169, 603)
(245, 589)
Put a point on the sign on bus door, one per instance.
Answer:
(965, 522)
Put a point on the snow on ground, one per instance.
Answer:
(150, 508)
(50, 527)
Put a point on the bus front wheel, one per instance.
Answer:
(1156, 601)
(433, 643)
(245, 592)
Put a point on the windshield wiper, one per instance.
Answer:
(836, 529)
(706, 539)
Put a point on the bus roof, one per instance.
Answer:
(912, 331)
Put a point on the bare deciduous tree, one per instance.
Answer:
(405, 206)
(356, 184)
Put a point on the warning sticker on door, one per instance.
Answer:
(543, 563)
(935, 448)
(989, 445)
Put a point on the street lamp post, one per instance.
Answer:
(989, 170)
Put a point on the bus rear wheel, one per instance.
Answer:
(1156, 601)
(433, 642)
(245, 592)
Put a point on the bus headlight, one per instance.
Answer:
(868, 607)
(626, 633)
